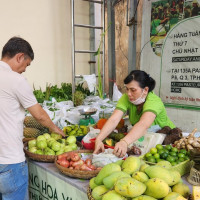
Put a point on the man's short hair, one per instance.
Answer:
(17, 45)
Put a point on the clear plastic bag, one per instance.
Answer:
(116, 93)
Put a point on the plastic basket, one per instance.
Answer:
(183, 167)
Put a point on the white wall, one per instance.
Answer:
(46, 25)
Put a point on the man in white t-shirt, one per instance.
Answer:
(15, 96)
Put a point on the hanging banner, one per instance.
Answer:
(171, 50)
(180, 64)
(45, 186)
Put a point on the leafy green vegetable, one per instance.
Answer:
(64, 93)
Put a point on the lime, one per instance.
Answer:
(184, 151)
(187, 153)
(172, 153)
(166, 151)
(159, 146)
(178, 161)
(170, 159)
(156, 155)
(164, 155)
(181, 159)
(176, 158)
(148, 154)
(153, 150)
(187, 158)
(174, 149)
(161, 151)
(181, 155)
(173, 163)
(168, 147)
(158, 160)
(151, 159)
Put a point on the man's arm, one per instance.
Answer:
(43, 118)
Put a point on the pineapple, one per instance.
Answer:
(31, 132)
(31, 122)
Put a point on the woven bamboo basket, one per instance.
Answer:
(89, 193)
(43, 158)
(194, 177)
(77, 173)
(27, 139)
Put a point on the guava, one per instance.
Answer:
(41, 137)
(39, 152)
(55, 146)
(41, 144)
(33, 149)
(73, 146)
(71, 139)
(31, 143)
(47, 136)
(56, 136)
(68, 148)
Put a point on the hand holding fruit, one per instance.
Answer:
(59, 131)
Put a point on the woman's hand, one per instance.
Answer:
(120, 149)
(99, 147)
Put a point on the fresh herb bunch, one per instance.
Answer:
(64, 93)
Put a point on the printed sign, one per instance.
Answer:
(45, 186)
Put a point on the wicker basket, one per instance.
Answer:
(27, 139)
(194, 177)
(43, 158)
(37, 157)
(89, 193)
(77, 173)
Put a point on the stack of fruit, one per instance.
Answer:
(133, 179)
(76, 130)
(52, 144)
(33, 128)
(168, 152)
(73, 160)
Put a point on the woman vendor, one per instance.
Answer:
(144, 107)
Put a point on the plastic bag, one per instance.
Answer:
(116, 93)
(149, 140)
(91, 81)
(102, 159)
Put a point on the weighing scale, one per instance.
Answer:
(87, 113)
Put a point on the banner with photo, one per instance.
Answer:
(174, 39)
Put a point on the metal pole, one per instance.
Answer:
(73, 51)
(92, 37)
(103, 46)
(111, 45)
(132, 38)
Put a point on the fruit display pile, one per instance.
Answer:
(168, 152)
(133, 179)
(52, 144)
(76, 130)
(73, 160)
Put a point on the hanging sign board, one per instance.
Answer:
(180, 64)
(171, 50)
